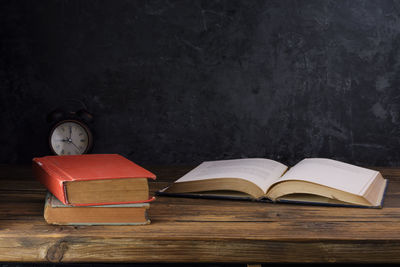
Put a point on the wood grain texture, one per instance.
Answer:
(200, 230)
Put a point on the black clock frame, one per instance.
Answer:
(81, 117)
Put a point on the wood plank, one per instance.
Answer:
(228, 231)
(98, 249)
(199, 230)
(15, 205)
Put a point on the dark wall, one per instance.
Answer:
(185, 81)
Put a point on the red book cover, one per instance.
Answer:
(54, 171)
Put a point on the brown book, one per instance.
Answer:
(55, 212)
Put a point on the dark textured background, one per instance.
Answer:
(177, 82)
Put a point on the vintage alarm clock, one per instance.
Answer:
(70, 133)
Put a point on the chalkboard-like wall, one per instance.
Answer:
(179, 82)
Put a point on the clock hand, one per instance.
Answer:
(76, 146)
(70, 132)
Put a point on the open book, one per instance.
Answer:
(312, 180)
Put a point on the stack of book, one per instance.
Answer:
(94, 189)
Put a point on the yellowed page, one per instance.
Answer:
(262, 172)
(332, 173)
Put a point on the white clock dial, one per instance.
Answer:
(70, 138)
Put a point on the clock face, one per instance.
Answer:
(70, 138)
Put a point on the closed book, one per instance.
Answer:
(93, 179)
(57, 213)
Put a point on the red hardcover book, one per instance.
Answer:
(93, 179)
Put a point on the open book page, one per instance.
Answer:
(332, 173)
(262, 172)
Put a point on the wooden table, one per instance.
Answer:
(198, 230)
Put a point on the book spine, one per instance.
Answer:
(50, 179)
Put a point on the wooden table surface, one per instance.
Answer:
(200, 230)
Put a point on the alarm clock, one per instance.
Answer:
(70, 133)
